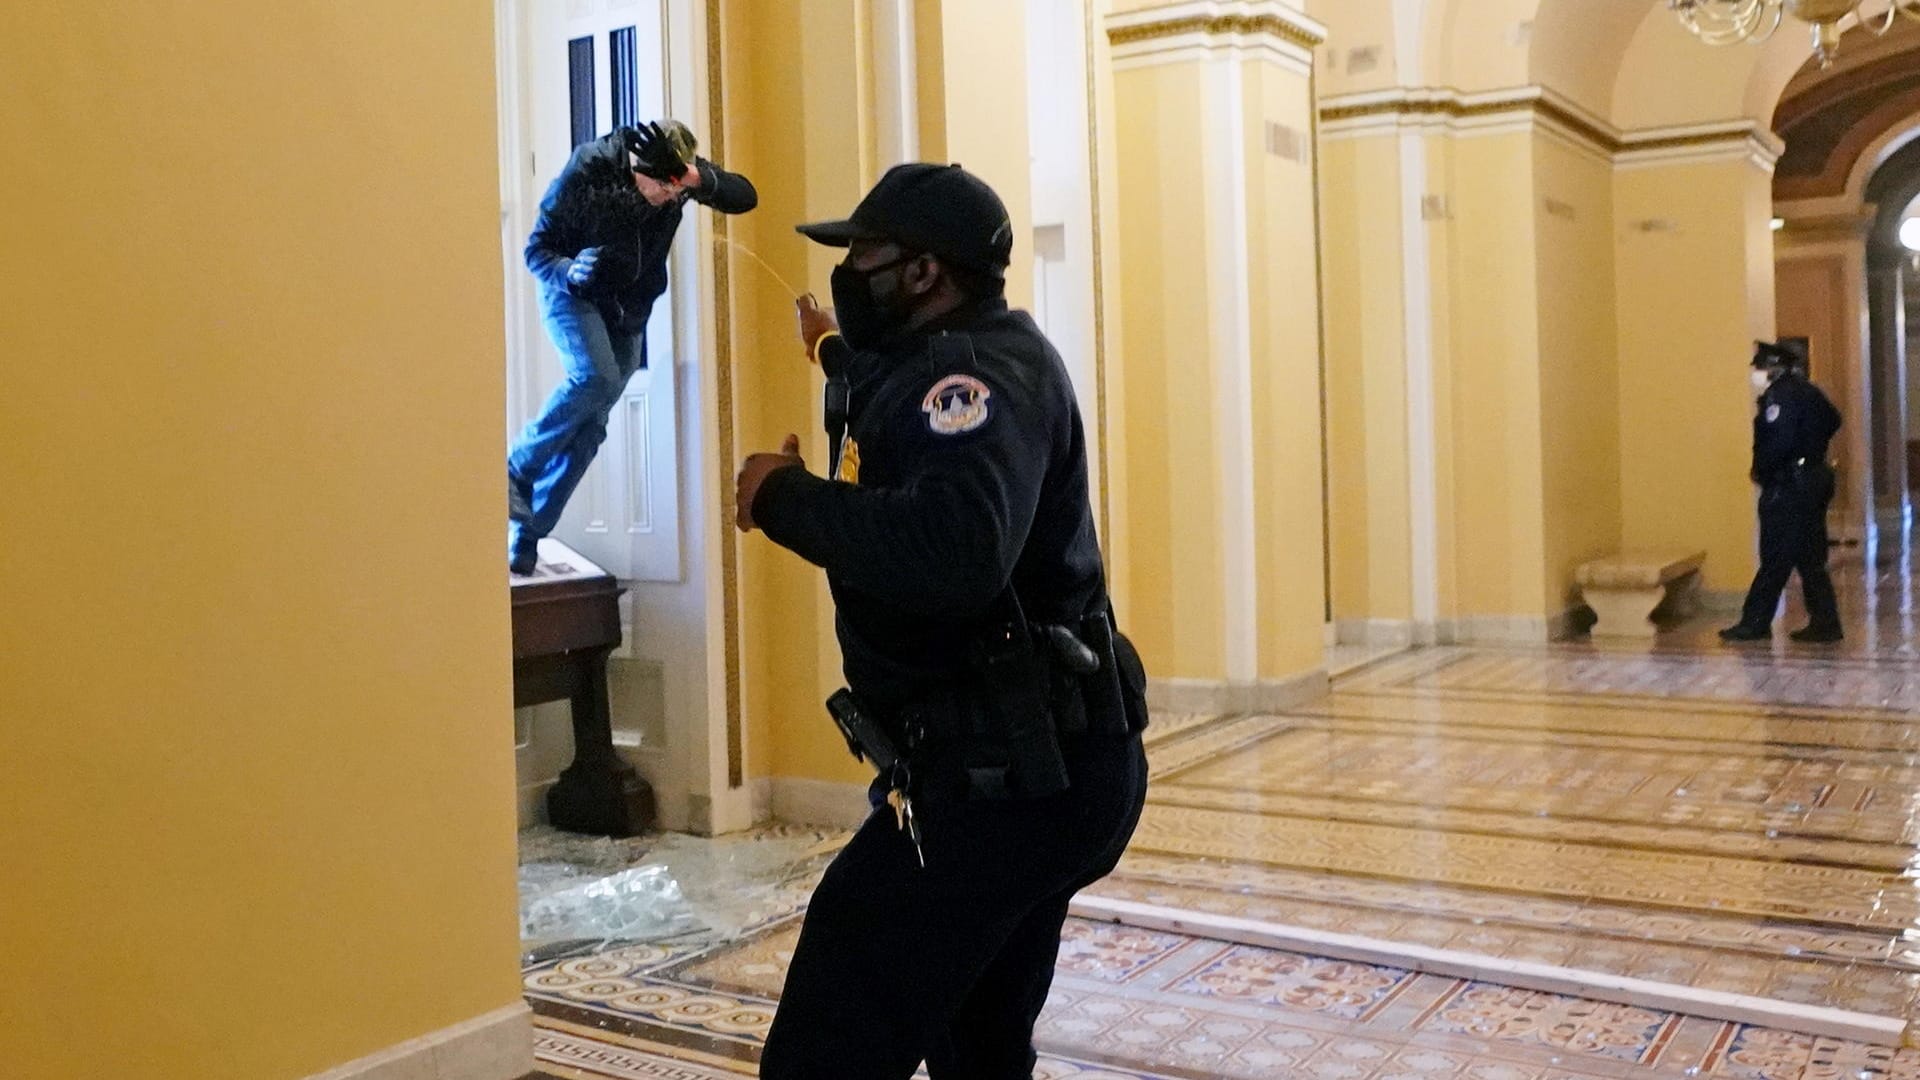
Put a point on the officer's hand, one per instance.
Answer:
(754, 472)
(580, 273)
(816, 322)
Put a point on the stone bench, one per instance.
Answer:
(1624, 590)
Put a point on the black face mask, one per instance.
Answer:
(867, 320)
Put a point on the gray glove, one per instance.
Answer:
(581, 270)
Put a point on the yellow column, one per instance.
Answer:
(973, 107)
(1487, 381)
(1369, 497)
(254, 663)
(1695, 290)
(795, 101)
(1221, 316)
(802, 120)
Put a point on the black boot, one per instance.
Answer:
(1742, 632)
(519, 499)
(522, 559)
(1818, 635)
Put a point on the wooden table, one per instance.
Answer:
(566, 621)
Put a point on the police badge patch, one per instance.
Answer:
(1773, 413)
(956, 405)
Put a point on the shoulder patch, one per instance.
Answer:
(1773, 413)
(956, 405)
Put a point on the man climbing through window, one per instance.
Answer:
(599, 252)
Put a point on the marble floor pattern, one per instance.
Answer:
(1711, 820)
(1131, 1003)
(1732, 821)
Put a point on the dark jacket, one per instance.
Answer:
(593, 203)
(966, 470)
(1793, 424)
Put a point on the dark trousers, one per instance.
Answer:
(950, 964)
(1793, 538)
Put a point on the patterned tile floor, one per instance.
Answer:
(1740, 821)
(1132, 1003)
(1726, 820)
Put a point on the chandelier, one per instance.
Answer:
(1725, 22)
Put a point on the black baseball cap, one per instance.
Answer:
(1766, 354)
(943, 210)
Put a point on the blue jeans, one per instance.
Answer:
(552, 454)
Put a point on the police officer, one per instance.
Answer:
(1791, 430)
(986, 680)
(599, 252)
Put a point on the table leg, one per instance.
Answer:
(599, 793)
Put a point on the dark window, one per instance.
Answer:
(580, 88)
(623, 54)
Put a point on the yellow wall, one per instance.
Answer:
(254, 669)
(983, 100)
(1174, 574)
(1490, 379)
(1221, 427)
(792, 115)
(1115, 475)
(1363, 27)
(1366, 380)
(1579, 378)
(1284, 286)
(796, 118)
(1693, 295)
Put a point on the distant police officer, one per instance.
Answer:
(987, 683)
(1791, 430)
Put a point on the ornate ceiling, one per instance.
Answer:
(1831, 118)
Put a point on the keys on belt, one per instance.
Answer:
(902, 804)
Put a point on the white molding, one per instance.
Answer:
(1227, 249)
(896, 80)
(496, 1046)
(761, 789)
(1423, 465)
(1549, 978)
(1200, 45)
(1409, 31)
(1452, 113)
(1732, 143)
(800, 801)
(1393, 633)
(1504, 629)
(1229, 698)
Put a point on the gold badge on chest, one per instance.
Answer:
(849, 462)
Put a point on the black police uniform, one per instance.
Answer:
(1791, 430)
(963, 475)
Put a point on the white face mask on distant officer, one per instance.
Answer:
(1761, 380)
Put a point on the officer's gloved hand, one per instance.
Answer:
(581, 271)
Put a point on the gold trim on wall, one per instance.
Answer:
(1219, 26)
(1532, 106)
(726, 448)
(1099, 277)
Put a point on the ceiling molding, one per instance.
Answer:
(1529, 108)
